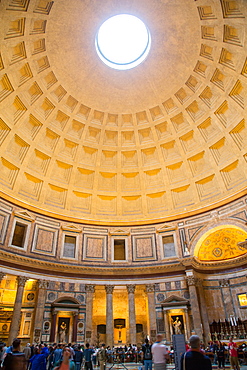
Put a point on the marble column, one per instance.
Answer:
(15, 323)
(150, 290)
(227, 299)
(40, 307)
(132, 313)
(187, 326)
(167, 326)
(75, 322)
(53, 327)
(204, 312)
(1, 278)
(109, 315)
(195, 308)
(89, 311)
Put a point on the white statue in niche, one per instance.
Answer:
(62, 332)
(177, 326)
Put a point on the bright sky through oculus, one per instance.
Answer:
(123, 41)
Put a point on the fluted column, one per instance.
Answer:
(167, 326)
(89, 310)
(191, 281)
(132, 313)
(109, 315)
(53, 326)
(15, 323)
(40, 307)
(150, 289)
(204, 312)
(227, 299)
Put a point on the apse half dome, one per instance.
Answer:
(123, 42)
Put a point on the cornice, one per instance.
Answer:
(24, 263)
(54, 268)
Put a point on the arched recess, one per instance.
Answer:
(221, 243)
(65, 312)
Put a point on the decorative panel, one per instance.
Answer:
(94, 247)
(144, 247)
(44, 240)
(4, 221)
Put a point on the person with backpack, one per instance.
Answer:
(15, 360)
(101, 356)
(147, 355)
(221, 356)
(194, 359)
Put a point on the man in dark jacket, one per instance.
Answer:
(15, 360)
(194, 358)
(78, 356)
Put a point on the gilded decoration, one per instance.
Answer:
(221, 243)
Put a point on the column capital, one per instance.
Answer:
(2, 274)
(42, 284)
(131, 288)
(109, 289)
(199, 282)
(90, 288)
(191, 280)
(21, 280)
(150, 288)
(54, 311)
(224, 282)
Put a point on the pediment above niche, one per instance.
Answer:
(72, 228)
(24, 215)
(174, 300)
(166, 227)
(118, 232)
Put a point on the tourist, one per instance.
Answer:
(147, 355)
(38, 360)
(160, 354)
(101, 356)
(57, 354)
(88, 352)
(66, 362)
(233, 354)
(78, 356)
(221, 356)
(27, 352)
(194, 359)
(15, 360)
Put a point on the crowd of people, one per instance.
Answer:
(76, 357)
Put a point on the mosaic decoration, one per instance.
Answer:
(221, 244)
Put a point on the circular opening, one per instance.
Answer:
(123, 42)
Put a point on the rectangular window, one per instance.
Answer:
(119, 250)
(69, 246)
(168, 246)
(18, 239)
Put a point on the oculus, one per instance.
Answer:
(123, 42)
